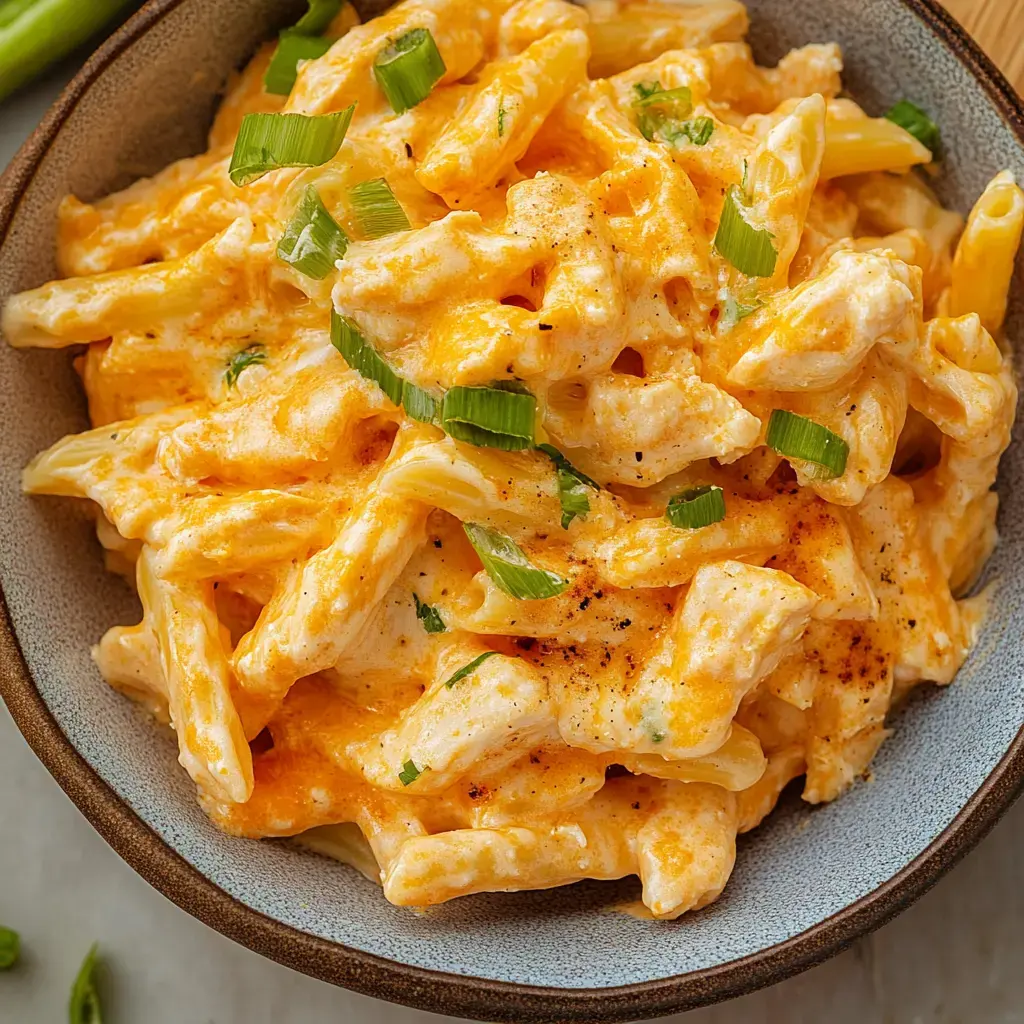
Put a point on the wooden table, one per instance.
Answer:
(998, 25)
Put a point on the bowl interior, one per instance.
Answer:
(151, 105)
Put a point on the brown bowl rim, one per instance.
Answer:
(439, 991)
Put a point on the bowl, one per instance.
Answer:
(806, 883)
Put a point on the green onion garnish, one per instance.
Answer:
(429, 616)
(733, 311)
(468, 669)
(320, 14)
(696, 508)
(313, 241)
(363, 357)
(502, 114)
(698, 130)
(490, 417)
(747, 248)
(651, 94)
(84, 1007)
(377, 209)
(507, 564)
(409, 773)
(420, 404)
(913, 119)
(797, 437)
(268, 141)
(408, 69)
(10, 948)
(251, 356)
(284, 65)
(572, 486)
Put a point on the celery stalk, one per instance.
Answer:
(35, 33)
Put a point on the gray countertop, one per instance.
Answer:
(953, 958)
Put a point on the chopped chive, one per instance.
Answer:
(251, 356)
(267, 142)
(797, 437)
(313, 241)
(284, 65)
(468, 669)
(409, 773)
(10, 948)
(408, 69)
(507, 564)
(376, 208)
(696, 508)
(572, 486)
(680, 98)
(429, 616)
(913, 119)
(319, 16)
(363, 357)
(490, 417)
(698, 130)
(84, 1007)
(747, 248)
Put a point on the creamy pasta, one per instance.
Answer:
(650, 462)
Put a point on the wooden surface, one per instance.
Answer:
(998, 25)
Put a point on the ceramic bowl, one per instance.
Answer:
(806, 882)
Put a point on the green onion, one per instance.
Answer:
(320, 14)
(284, 65)
(420, 404)
(913, 119)
(85, 1001)
(10, 948)
(409, 773)
(362, 357)
(747, 248)
(490, 417)
(696, 508)
(268, 141)
(733, 311)
(377, 209)
(468, 669)
(797, 437)
(429, 616)
(698, 130)
(408, 69)
(572, 486)
(502, 114)
(313, 241)
(507, 564)
(251, 356)
(681, 98)
(36, 33)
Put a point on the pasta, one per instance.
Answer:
(530, 483)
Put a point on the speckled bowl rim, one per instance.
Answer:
(439, 991)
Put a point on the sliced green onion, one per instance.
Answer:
(10, 948)
(507, 564)
(362, 357)
(797, 437)
(251, 356)
(313, 241)
(420, 404)
(468, 669)
(733, 311)
(913, 119)
(502, 114)
(698, 130)
(410, 773)
(429, 616)
(284, 65)
(377, 209)
(490, 417)
(84, 1007)
(696, 508)
(268, 141)
(320, 14)
(572, 486)
(408, 69)
(747, 248)
(680, 98)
